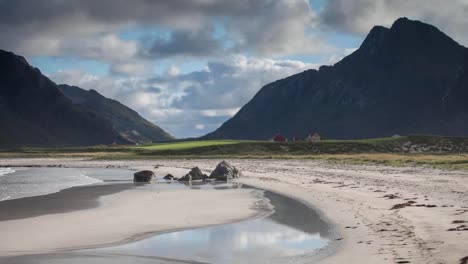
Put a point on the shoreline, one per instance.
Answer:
(282, 213)
(358, 199)
(71, 216)
(261, 211)
(48, 204)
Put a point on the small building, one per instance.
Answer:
(279, 138)
(313, 138)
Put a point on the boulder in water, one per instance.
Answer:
(194, 174)
(169, 177)
(143, 176)
(225, 171)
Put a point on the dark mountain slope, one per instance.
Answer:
(34, 112)
(127, 122)
(411, 78)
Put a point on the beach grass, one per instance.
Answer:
(441, 161)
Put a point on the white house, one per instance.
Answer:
(313, 138)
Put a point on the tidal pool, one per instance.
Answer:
(292, 233)
(292, 230)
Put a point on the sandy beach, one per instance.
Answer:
(382, 214)
(103, 215)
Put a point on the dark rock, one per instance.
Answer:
(143, 176)
(169, 177)
(391, 196)
(194, 174)
(225, 171)
(402, 205)
(464, 260)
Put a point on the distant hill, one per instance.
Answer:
(35, 112)
(126, 121)
(407, 79)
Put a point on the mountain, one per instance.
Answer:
(35, 112)
(126, 121)
(410, 78)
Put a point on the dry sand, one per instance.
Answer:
(353, 197)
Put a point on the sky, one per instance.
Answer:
(189, 65)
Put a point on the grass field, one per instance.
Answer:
(439, 152)
(186, 145)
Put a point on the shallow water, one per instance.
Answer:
(25, 182)
(292, 231)
(280, 237)
(252, 241)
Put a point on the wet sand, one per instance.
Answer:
(68, 200)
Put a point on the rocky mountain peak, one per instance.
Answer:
(409, 78)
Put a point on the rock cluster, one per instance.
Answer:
(223, 172)
(194, 174)
(143, 176)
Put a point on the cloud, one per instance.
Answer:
(109, 48)
(199, 126)
(172, 71)
(336, 57)
(90, 29)
(219, 112)
(285, 27)
(132, 69)
(231, 82)
(197, 43)
(181, 102)
(359, 16)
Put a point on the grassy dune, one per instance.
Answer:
(440, 152)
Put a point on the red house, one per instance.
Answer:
(279, 138)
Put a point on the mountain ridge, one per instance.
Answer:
(406, 79)
(35, 112)
(125, 120)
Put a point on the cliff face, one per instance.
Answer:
(34, 111)
(410, 78)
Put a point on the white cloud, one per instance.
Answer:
(199, 126)
(287, 27)
(180, 102)
(74, 77)
(336, 57)
(173, 71)
(219, 112)
(360, 16)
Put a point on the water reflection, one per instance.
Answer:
(292, 230)
(255, 241)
